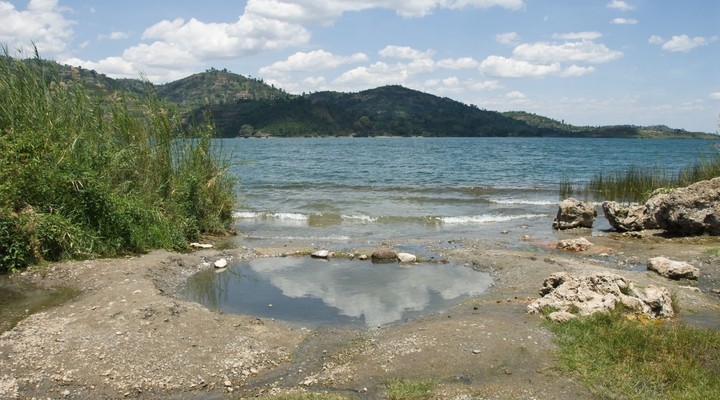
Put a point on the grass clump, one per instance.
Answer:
(633, 359)
(84, 174)
(402, 389)
(637, 184)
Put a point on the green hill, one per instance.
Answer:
(242, 106)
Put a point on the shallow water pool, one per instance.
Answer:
(316, 292)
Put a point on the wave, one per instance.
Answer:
(484, 219)
(523, 202)
(327, 219)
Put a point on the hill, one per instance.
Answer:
(242, 106)
(216, 87)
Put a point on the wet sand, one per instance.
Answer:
(130, 333)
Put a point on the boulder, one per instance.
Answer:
(383, 256)
(574, 213)
(221, 263)
(692, 210)
(580, 244)
(672, 269)
(406, 257)
(599, 292)
(629, 218)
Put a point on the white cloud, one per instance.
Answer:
(515, 95)
(655, 39)
(41, 23)
(484, 85)
(624, 21)
(503, 67)
(577, 35)
(681, 43)
(325, 12)
(311, 61)
(620, 5)
(508, 38)
(458, 63)
(574, 70)
(114, 36)
(715, 96)
(405, 53)
(585, 51)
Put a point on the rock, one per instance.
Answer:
(362, 257)
(629, 218)
(599, 292)
(321, 254)
(383, 256)
(201, 245)
(221, 263)
(580, 244)
(561, 316)
(692, 210)
(672, 269)
(574, 213)
(406, 257)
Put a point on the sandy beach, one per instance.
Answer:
(130, 333)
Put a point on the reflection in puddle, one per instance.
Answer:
(335, 292)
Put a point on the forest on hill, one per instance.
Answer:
(248, 107)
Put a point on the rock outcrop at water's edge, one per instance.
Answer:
(601, 292)
(692, 210)
(574, 213)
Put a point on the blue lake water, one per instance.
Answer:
(344, 193)
(359, 191)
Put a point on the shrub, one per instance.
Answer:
(102, 173)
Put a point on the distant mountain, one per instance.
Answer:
(246, 107)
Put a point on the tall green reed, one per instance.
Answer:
(90, 173)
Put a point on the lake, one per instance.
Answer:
(359, 191)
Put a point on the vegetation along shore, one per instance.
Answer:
(103, 185)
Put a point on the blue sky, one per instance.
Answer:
(588, 62)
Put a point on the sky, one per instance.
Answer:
(585, 62)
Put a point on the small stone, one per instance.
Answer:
(476, 351)
(221, 263)
(363, 257)
(227, 383)
(320, 254)
(406, 257)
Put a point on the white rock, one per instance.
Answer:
(321, 254)
(406, 257)
(221, 263)
(580, 244)
(201, 245)
(672, 269)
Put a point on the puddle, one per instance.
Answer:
(336, 292)
(18, 300)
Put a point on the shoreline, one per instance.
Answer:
(131, 335)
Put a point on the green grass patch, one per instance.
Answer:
(712, 251)
(402, 389)
(88, 173)
(619, 358)
(637, 184)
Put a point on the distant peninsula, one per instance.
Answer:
(248, 107)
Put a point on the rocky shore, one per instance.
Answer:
(130, 333)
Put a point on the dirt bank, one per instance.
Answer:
(131, 335)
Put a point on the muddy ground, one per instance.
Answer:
(130, 334)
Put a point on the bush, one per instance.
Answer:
(100, 173)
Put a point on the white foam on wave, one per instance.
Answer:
(483, 219)
(360, 218)
(280, 215)
(525, 202)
